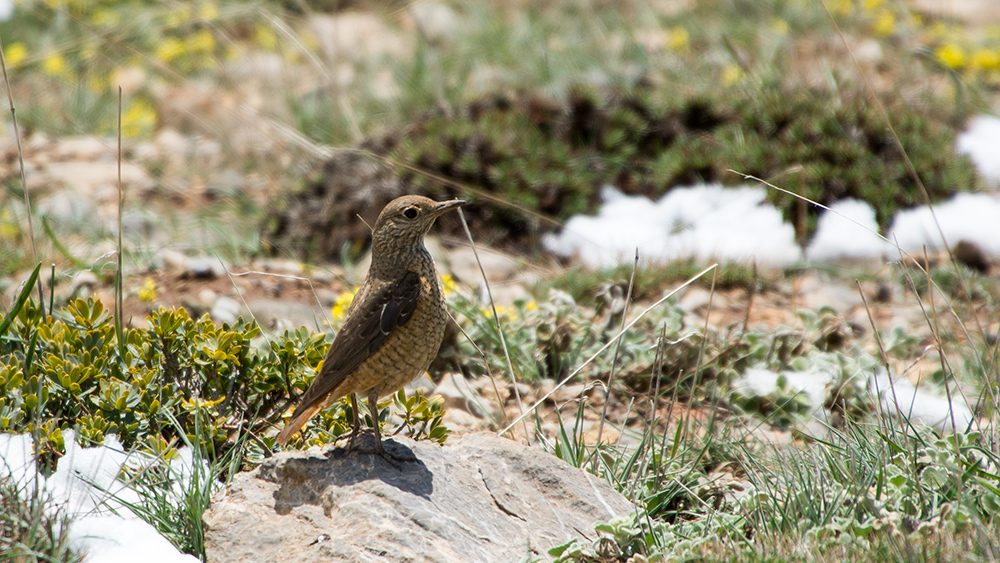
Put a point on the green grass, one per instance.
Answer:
(32, 527)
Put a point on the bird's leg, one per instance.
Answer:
(392, 459)
(357, 421)
(373, 407)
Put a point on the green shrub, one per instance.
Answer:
(178, 375)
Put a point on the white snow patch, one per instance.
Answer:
(85, 487)
(848, 230)
(904, 400)
(981, 141)
(973, 217)
(707, 222)
(917, 405)
(761, 382)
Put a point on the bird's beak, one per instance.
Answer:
(444, 206)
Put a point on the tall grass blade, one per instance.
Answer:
(22, 298)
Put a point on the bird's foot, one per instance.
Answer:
(354, 434)
(390, 455)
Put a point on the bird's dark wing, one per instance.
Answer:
(369, 322)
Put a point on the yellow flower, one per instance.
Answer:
(138, 119)
(310, 40)
(233, 51)
(732, 74)
(208, 11)
(9, 230)
(170, 49)
(502, 312)
(678, 38)
(531, 305)
(872, 5)
(55, 65)
(343, 302)
(840, 7)
(266, 39)
(98, 82)
(951, 55)
(779, 26)
(179, 15)
(147, 292)
(448, 283)
(16, 52)
(106, 18)
(941, 30)
(985, 59)
(201, 42)
(885, 24)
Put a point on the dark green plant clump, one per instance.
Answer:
(527, 162)
(550, 156)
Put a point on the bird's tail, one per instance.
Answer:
(298, 420)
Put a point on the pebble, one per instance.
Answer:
(326, 297)
(458, 394)
(227, 184)
(325, 277)
(280, 315)
(498, 266)
(695, 299)
(815, 293)
(170, 261)
(207, 297)
(85, 148)
(225, 310)
(458, 420)
(66, 205)
(569, 392)
(204, 267)
(284, 267)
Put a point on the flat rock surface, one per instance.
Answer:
(478, 498)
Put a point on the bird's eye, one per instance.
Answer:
(410, 213)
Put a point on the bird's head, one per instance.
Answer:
(405, 220)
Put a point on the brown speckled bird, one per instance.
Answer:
(395, 324)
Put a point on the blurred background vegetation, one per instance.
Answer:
(528, 106)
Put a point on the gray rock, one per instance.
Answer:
(278, 266)
(458, 394)
(90, 176)
(173, 143)
(225, 310)
(228, 183)
(695, 299)
(86, 148)
(280, 315)
(356, 36)
(84, 283)
(204, 267)
(66, 206)
(498, 266)
(171, 261)
(478, 498)
(816, 293)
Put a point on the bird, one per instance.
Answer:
(393, 328)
